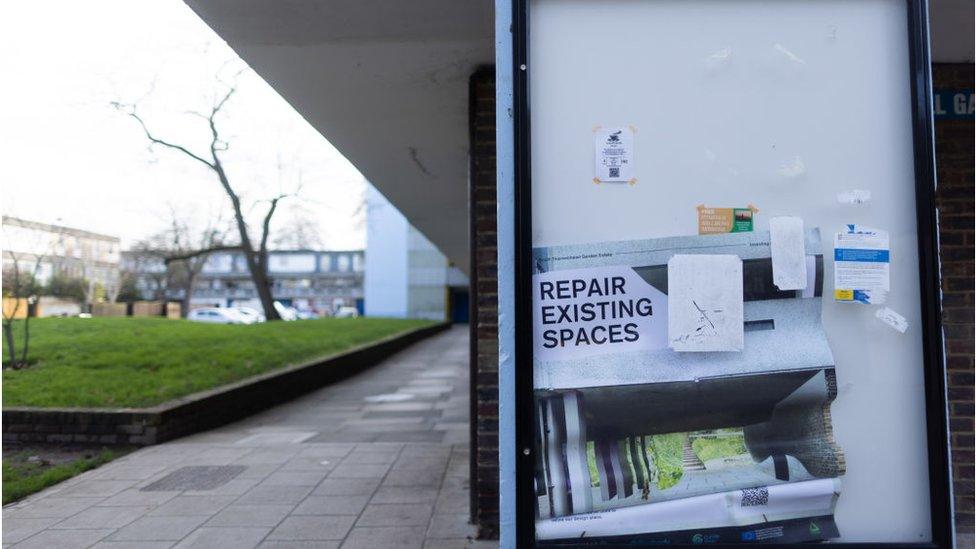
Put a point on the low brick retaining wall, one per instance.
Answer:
(199, 411)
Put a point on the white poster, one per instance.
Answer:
(586, 312)
(614, 155)
(862, 259)
(705, 303)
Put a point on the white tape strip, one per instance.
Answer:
(891, 318)
(854, 196)
(786, 243)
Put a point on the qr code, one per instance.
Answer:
(614, 172)
(752, 497)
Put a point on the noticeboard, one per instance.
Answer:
(726, 274)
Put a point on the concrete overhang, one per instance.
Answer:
(385, 81)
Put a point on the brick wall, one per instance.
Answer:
(484, 290)
(954, 163)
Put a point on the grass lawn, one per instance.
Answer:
(137, 362)
(32, 470)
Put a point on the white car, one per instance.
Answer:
(249, 315)
(306, 315)
(346, 312)
(215, 315)
(286, 313)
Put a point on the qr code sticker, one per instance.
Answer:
(752, 497)
(614, 172)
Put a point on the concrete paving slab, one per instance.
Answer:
(279, 544)
(313, 528)
(48, 507)
(192, 506)
(133, 545)
(400, 537)
(297, 478)
(22, 528)
(158, 529)
(395, 514)
(235, 537)
(331, 505)
(275, 494)
(63, 539)
(405, 494)
(250, 515)
(346, 487)
(102, 517)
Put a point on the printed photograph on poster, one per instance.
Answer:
(636, 438)
(862, 265)
(614, 155)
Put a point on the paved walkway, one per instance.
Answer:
(379, 460)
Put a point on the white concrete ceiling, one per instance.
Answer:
(385, 81)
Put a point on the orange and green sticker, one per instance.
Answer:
(725, 220)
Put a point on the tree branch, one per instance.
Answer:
(266, 226)
(157, 141)
(197, 253)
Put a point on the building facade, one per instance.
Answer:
(308, 280)
(406, 275)
(63, 251)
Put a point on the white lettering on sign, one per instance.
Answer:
(586, 312)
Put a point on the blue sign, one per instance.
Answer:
(953, 104)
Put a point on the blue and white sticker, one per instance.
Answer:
(862, 260)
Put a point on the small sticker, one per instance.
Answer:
(861, 265)
(725, 220)
(614, 155)
(855, 196)
(891, 318)
(843, 295)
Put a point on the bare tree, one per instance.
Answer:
(21, 286)
(255, 254)
(185, 256)
(145, 262)
(299, 232)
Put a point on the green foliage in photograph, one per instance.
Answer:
(135, 362)
(591, 463)
(666, 452)
(718, 444)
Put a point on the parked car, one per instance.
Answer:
(215, 315)
(347, 312)
(286, 313)
(307, 315)
(250, 315)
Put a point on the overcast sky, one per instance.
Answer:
(68, 157)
